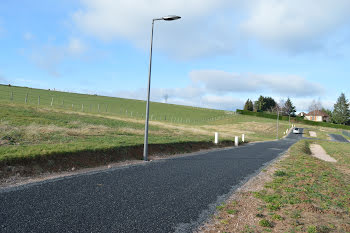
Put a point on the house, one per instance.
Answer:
(317, 115)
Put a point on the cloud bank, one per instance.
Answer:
(223, 90)
(215, 27)
(224, 82)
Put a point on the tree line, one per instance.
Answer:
(268, 104)
(339, 115)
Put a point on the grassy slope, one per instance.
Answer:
(30, 131)
(106, 105)
(305, 195)
(38, 129)
(306, 186)
(27, 131)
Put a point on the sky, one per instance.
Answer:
(219, 54)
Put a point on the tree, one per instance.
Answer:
(270, 104)
(315, 106)
(248, 105)
(341, 112)
(289, 108)
(329, 112)
(264, 104)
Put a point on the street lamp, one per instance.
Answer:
(145, 148)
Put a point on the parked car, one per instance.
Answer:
(296, 130)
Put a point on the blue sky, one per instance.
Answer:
(219, 54)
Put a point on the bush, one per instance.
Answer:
(265, 223)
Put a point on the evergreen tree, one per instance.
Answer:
(289, 108)
(251, 107)
(248, 105)
(341, 112)
(270, 104)
(264, 104)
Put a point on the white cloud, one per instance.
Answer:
(302, 104)
(224, 90)
(214, 27)
(294, 25)
(201, 31)
(225, 82)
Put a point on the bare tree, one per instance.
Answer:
(282, 107)
(315, 106)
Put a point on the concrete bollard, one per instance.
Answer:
(236, 140)
(216, 140)
(243, 138)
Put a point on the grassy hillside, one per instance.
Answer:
(106, 105)
(36, 134)
(29, 131)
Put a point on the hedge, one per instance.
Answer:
(294, 119)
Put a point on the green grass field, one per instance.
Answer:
(33, 130)
(107, 105)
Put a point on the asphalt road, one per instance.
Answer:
(166, 195)
(338, 138)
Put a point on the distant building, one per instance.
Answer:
(317, 115)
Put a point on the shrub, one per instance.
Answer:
(265, 223)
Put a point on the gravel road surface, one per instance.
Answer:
(167, 195)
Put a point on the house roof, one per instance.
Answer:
(317, 113)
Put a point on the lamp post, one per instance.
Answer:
(145, 148)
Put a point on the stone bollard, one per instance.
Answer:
(216, 140)
(243, 138)
(236, 140)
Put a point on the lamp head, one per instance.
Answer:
(171, 17)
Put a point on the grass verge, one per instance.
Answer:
(302, 194)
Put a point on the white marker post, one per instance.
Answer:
(216, 140)
(236, 140)
(242, 137)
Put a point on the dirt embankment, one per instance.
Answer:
(63, 162)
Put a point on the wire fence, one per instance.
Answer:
(94, 104)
